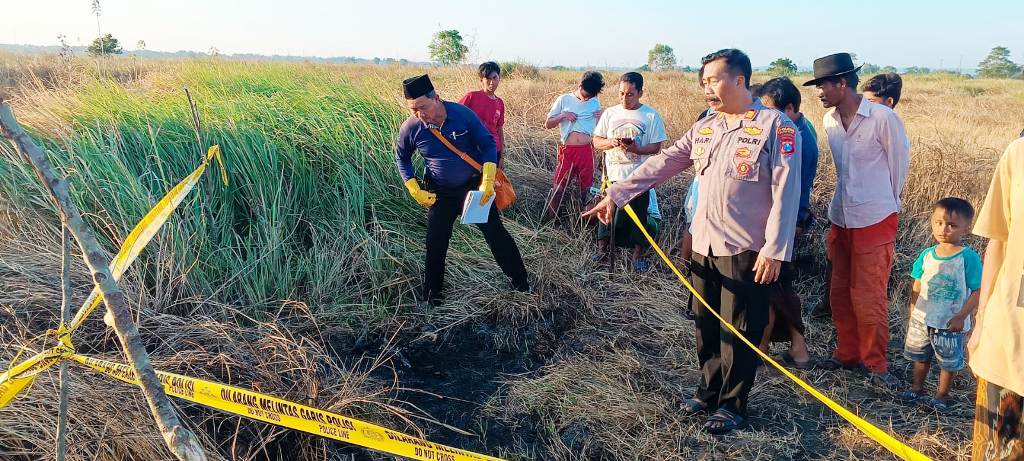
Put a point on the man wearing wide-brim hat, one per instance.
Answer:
(872, 155)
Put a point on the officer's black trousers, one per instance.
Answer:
(728, 366)
(440, 221)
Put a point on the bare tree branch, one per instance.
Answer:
(180, 440)
(65, 309)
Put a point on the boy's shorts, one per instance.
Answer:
(575, 162)
(924, 342)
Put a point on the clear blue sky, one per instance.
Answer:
(542, 32)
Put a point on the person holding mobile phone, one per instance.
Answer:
(628, 133)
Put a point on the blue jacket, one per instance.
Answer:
(444, 168)
(809, 166)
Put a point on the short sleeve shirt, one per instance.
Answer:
(643, 125)
(749, 186)
(491, 112)
(584, 110)
(999, 354)
(946, 283)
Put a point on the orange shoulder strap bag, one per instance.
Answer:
(504, 193)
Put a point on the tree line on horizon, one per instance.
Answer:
(448, 47)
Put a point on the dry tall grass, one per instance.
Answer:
(600, 361)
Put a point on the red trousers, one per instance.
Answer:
(575, 161)
(861, 264)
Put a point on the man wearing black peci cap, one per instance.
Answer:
(448, 178)
(872, 155)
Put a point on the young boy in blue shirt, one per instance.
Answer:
(947, 277)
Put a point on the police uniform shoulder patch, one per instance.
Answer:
(750, 114)
(752, 130)
(787, 140)
(706, 131)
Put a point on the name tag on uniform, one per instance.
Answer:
(753, 137)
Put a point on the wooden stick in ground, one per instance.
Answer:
(65, 309)
(611, 241)
(180, 440)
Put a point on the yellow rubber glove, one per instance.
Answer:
(424, 198)
(487, 183)
(605, 183)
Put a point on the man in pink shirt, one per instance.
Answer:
(872, 156)
(488, 106)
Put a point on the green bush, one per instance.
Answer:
(519, 70)
(314, 210)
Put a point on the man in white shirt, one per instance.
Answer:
(575, 115)
(628, 133)
(872, 155)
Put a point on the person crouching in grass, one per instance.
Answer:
(947, 277)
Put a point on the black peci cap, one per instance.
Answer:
(415, 87)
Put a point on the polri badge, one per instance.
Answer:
(787, 140)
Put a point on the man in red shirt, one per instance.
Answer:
(488, 106)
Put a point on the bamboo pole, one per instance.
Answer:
(65, 308)
(181, 441)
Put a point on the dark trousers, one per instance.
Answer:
(626, 232)
(785, 302)
(440, 222)
(728, 366)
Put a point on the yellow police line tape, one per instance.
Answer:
(292, 415)
(883, 438)
(22, 375)
(144, 231)
(249, 404)
(222, 397)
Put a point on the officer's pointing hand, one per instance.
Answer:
(602, 211)
(766, 270)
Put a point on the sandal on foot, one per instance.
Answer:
(912, 396)
(940, 406)
(885, 381)
(834, 364)
(641, 265)
(693, 406)
(808, 364)
(723, 422)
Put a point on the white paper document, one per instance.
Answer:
(472, 211)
